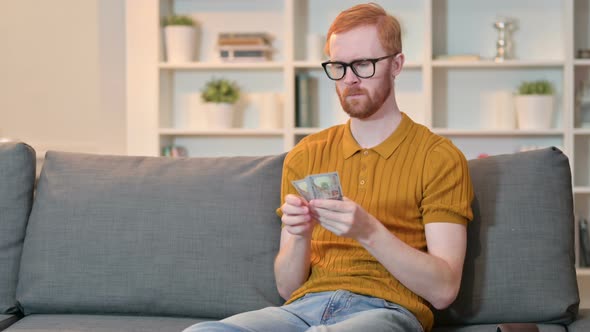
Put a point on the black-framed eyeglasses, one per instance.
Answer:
(363, 68)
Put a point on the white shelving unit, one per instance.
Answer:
(451, 97)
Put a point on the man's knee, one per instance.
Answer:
(213, 326)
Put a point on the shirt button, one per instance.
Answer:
(366, 152)
(363, 168)
(362, 182)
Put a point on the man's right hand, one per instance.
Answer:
(297, 218)
(292, 265)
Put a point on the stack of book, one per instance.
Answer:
(244, 46)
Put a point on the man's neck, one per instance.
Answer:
(372, 131)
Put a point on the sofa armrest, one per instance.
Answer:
(7, 320)
(582, 322)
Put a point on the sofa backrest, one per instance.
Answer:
(520, 250)
(17, 180)
(152, 236)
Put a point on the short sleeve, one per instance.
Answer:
(447, 187)
(294, 168)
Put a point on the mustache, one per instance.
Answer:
(353, 91)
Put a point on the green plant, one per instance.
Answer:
(541, 87)
(220, 91)
(178, 20)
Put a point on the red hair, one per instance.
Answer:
(388, 26)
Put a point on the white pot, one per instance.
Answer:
(534, 111)
(499, 113)
(180, 43)
(270, 111)
(196, 113)
(219, 115)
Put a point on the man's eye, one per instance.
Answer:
(362, 64)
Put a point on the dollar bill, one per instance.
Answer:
(303, 189)
(319, 186)
(326, 186)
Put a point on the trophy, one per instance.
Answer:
(505, 26)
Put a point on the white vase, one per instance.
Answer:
(180, 43)
(270, 111)
(219, 115)
(534, 111)
(500, 113)
(195, 113)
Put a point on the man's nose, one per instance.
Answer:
(350, 77)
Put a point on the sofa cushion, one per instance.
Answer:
(520, 248)
(190, 237)
(95, 323)
(17, 180)
(582, 323)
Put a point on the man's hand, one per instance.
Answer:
(344, 218)
(296, 216)
(292, 265)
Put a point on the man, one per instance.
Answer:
(395, 244)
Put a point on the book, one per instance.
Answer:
(242, 54)
(243, 35)
(584, 243)
(245, 53)
(245, 38)
(249, 41)
(303, 115)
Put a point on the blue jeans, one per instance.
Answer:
(325, 311)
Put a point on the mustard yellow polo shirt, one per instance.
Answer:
(412, 178)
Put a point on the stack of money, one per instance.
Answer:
(319, 186)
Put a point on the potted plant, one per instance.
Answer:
(219, 96)
(180, 38)
(534, 104)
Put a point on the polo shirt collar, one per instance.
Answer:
(384, 149)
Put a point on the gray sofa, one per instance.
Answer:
(115, 243)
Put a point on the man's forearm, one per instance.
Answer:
(292, 265)
(429, 276)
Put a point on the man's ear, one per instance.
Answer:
(397, 64)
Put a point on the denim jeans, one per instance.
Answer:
(325, 311)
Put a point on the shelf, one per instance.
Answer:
(492, 64)
(581, 131)
(307, 65)
(307, 131)
(582, 62)
(581, 190)
(583, 271)
(412, 65)
(220, 132)
(221, 66)
(486, 132)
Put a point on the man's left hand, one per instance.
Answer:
(344, 218)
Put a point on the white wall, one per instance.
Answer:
(62, 74)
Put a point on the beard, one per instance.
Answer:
(365, 107)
